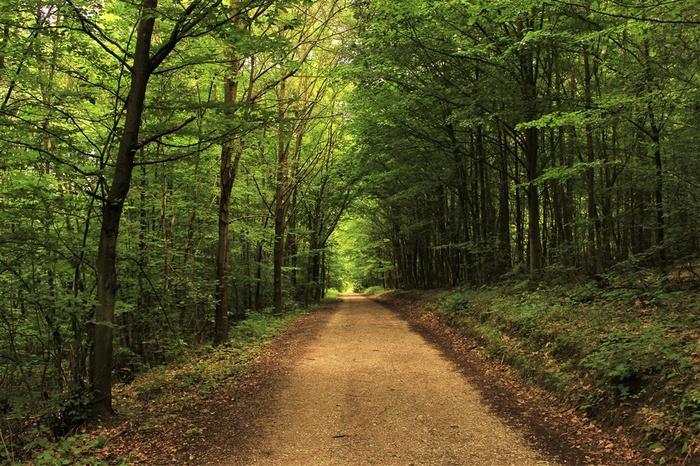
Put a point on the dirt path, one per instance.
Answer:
(368, 390)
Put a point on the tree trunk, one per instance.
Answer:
(103, 332)
(221, 324)
(533, 201)
(504, 254)
(658, 188)
(594, 224)
(227, 175)
(280, 203)
(528, 74)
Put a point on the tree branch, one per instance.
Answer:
(85, 22)
(157, 136)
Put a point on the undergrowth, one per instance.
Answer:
(203, 370)
(374, 290)
(197, 374)
(627, 352)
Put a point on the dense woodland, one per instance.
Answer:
(168, 167)
(521, 135)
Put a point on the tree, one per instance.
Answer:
(114, 130)
(517, 104)
(300, 99)
(144, 64)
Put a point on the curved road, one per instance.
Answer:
(369, 391)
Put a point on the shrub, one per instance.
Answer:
(374, 290)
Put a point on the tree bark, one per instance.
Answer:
(658, 191)
(227, 175)
(504, 254)
(594, 224)
(103, 332)
(533, 200)
(528, 74)
(280, 202)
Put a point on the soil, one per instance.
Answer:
(357, 383)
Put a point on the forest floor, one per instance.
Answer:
(355, 383)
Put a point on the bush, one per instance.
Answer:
(374, 290)
(206, 368)
(628, 360)
(72, 450)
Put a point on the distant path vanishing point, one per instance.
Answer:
(369, 391)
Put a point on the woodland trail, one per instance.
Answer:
(370, 391)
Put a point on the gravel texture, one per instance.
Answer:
(367, 390)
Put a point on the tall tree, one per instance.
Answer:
(533, 95)
(142, 67)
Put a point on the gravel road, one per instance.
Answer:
(369, 391)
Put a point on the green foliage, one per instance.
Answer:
(456, 302)
(206, 367)
(690, 409)
(74, 450)
(420, 112)
(62, 112)
(627, 360)
(447, 96)
(161, 394)
(624, 355)
(258, 328)
(374, 290)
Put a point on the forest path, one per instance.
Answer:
(369, 390)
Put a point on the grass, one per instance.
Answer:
(625, 354)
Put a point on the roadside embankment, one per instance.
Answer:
(625, 358)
